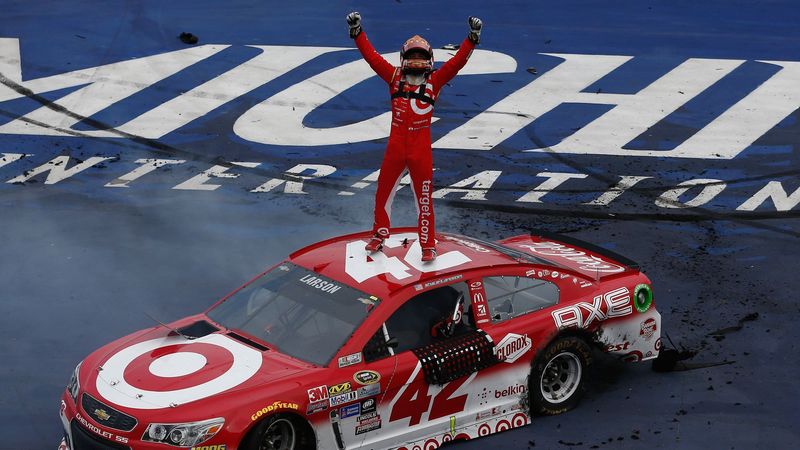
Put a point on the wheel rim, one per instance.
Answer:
(279, 436)
(560, 377)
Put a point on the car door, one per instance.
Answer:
(428, 397)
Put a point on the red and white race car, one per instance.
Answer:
(335, 348)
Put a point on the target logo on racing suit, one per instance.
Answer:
(196, 369)
(422, 107)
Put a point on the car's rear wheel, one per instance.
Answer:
(557, 383)
(280, 432)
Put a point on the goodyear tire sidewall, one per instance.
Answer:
(538, 403)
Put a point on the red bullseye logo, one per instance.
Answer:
(421, 107)
(502, 425)
(178, 366)
(519, 420)
(164, 372)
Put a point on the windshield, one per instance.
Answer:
(302, 313)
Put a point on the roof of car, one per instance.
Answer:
(344, 259)
(399, 264)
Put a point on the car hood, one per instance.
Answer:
(157, 369)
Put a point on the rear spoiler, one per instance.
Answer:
(629, 263)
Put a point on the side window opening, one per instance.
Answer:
(378, 346)
(423, 319)
(512, 296)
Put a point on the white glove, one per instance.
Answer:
(475, 26)
(354, 22)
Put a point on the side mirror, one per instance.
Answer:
(392, 343)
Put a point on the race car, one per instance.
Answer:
(337, 348)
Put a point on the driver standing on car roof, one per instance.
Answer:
(414, 87)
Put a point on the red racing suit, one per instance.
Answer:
(409, 145)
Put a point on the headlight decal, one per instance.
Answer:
(183, 434)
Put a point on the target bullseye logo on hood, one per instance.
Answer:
(169, 371)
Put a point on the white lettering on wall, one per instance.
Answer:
(8, 158)
(200, 182)
(774, 191)
(478, 185)
(56, 169)
(711, 188)
(554, 180)
(626, 182)
(105, 85)
(296, 187)
(147, 165)
(279, 119)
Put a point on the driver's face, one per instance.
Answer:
(417, 55)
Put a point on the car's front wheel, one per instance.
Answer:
(556, 384)
(280, 432)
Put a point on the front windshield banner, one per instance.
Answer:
(297, 311)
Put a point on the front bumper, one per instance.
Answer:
(83, 433)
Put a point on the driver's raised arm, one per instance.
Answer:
(378, 63)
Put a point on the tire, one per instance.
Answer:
(556, 384)
(280, 432)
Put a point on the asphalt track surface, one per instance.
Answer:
(82, 263)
